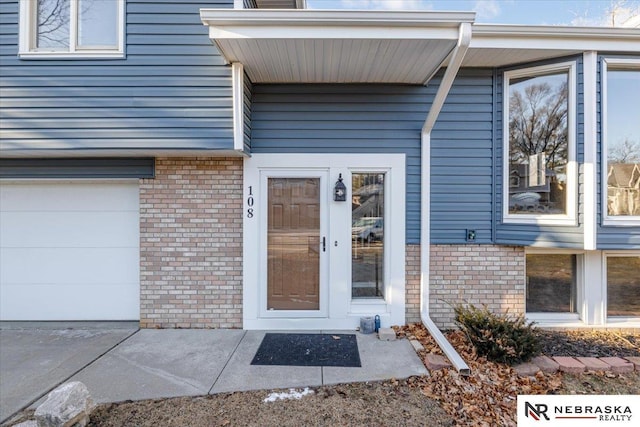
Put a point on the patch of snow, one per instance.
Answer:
(291, 394)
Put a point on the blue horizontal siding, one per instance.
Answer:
(388, 119)
(246, 111)
(171, 91)
(531, 234)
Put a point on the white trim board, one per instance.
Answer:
(237, 84)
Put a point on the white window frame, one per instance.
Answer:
(631, 321)
(27, 35)
(615, 64)
(591, 298)
(543, 317)
(570, 217)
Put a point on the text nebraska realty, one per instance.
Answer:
(599, 412)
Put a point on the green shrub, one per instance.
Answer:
(500, 338)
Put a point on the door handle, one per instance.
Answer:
(324, 244)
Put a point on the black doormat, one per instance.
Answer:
(308, 350)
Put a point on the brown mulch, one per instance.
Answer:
(588, 343)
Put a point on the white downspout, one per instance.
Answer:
(456, 57)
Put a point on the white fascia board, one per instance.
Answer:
(330, 31)
(555, 37)
(343, 18)
(329, 24)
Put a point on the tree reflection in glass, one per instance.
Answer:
(538, 144)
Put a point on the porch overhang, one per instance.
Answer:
(347, 46)
(496, 46)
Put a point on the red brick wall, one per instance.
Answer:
(191, 244)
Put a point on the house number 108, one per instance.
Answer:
(250, 203)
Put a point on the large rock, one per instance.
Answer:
(67, 406)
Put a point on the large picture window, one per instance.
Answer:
(56, 28)
(539, 144)
(621, 141)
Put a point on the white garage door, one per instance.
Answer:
(69, 251)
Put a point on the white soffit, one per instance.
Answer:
(502, 45)
(321, 46)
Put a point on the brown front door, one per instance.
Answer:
(293, 244)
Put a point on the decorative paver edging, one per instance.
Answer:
(577, 365)
(572, 365)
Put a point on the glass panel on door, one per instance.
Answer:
(367, 235)
(293, 244)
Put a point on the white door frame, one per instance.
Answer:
(342, 312)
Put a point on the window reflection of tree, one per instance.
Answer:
(627, 151)
(54, 17)
(53, 23)
(539, 136)
(538, 124)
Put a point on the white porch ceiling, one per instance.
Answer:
(318, 46)
(337, 60)
(500, 57)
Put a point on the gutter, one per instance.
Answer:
(455, 61)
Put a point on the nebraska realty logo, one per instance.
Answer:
(572, 410)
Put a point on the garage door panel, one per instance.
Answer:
(68, 196)
(88, 266)
(69, 302)
(69, 251)
(69, 229)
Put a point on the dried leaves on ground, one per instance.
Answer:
(488, 396)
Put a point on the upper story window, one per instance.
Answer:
(71, 28)
(539, 148)
(621, 141)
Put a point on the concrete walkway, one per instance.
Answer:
(118, 362)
